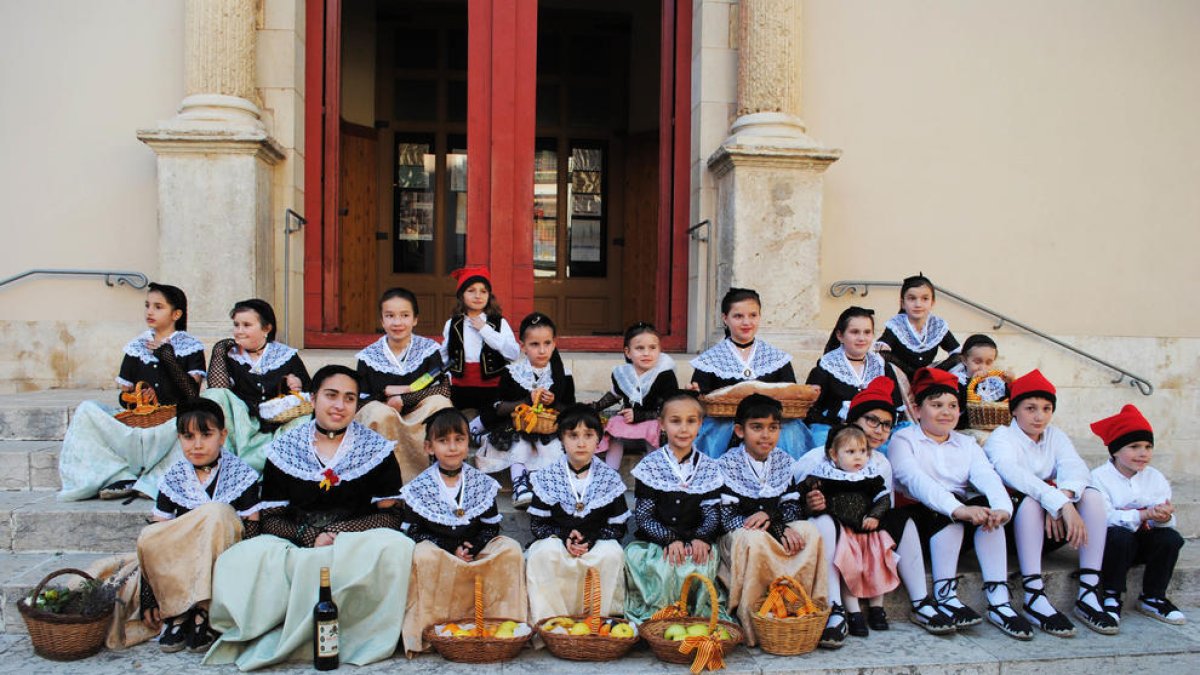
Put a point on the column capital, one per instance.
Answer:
(800, 157)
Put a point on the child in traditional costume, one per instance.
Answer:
(741, 357)
(912, 337)
(873, 411)
(403, 382)
(103, 456)
(477, 343)
(761, 515)
(845, 369)
(857, 496)
(578, 517)
(450, 511)
(640, 385)
(955, 490)
(1055, 505)
(678, 493)
(329, 493)
(539, 380)
(246, 373)
(1141, 517)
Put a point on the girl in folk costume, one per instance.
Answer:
(329, 491)
(955, 490)
(477, 342)
(540, 378)
(741, 357)
(206, 503)
(248, 370)
(978, 356)
(640, 385)
(578, 517)
(1055, 505)
(914, 336)
(873, 411)
(450, 511)
(101, 455)
(856, 494)
(1141, 517)
(402, 381)
(846, 368)
(761, 515)
(678, 493)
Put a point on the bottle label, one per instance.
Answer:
(327, 638)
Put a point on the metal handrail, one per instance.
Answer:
(292, 222)
(111, 277)
(839, 288)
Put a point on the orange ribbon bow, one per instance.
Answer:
(709, 653)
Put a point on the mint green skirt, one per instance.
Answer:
(652, 583)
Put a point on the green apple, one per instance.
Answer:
(675, 631)
(697, 630)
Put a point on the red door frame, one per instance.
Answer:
(500, 137)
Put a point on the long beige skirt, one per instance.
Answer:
(177, 558)
(442, 587)
(407, 429)
(556, 578)
(752, 559)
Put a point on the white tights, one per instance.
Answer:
(990, 549)
(1029, 526)
(911, 566)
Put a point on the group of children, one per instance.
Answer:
(837, 501)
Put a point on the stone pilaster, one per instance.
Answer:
(214, 170)
(769, 178)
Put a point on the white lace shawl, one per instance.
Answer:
(380, 358)
(522, 373)
(181, 485)
(183, 344)
(739, 477)
(655, 471)
(553, 486)
(274, 356)
(426, 496)
(361, 450)
(935, 330)
(634, 386)
(723, 361)
(836, 364)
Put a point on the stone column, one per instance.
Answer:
(214, 170)
(769, 178)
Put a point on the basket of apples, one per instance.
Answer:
(479, 639)
(589, 637)
(678, 637)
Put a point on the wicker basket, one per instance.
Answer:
(302, 407)
(477, 648)
(792, 635)
(144, 414)
(709, 651)
(63, 637)
(793, 409)
(987, 416)
(590, 647)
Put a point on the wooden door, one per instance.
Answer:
(357, 217)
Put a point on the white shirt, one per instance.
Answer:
(1025, 465)
(877, 465)
(501, 340)
(1124, 496)
(944, 475)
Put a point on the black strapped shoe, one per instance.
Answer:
(1004, 617)
(1056, 623)
(857, 624)
(1162, 609)
(929, 615)
(174, 637)
(945, 592)
(1099, 620)
(834, 637)
(201, 636)
(877, 618)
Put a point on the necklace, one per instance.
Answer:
(329, 433)
(677, 466)
(456, 499)
(260, 350)
(583, 486)
(742, 345)
(580, 471)
(210, 466)
(862, 360)
(449, 473)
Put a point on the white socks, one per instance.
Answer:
(912, 563)
(992, 553)
(1030, 532)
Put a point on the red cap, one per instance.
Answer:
(877, 396)
(1030, 384)
(468, 275)
(933, 380)
(1127, 426)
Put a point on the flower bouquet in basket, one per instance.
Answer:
(69, 623)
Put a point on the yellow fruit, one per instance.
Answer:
(697, 629)
(723, 633)
(622, 630)
(580, 628)
(463, 632)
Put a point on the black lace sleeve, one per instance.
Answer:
(616, 516)
(486, 531)
(710, 519)
(416, 528)
(543, 526)
(218, 365)
(806, 486)
(664, 385)
(277, 522)
(879, 508)
(731, 516)
(251, 529)
(791, 509)
(146, 597)
(649, 527)
(187, 387)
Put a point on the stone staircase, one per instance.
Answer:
(38, 535)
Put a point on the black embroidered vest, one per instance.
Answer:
(491, 362)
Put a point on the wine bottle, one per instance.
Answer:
(325, 627)
(426, 379)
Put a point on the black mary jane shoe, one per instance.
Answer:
(877, 618)
(201, 636)
(1055, 623)
(1100, 620)
(175, 634)
(857, 624)
(833, 637)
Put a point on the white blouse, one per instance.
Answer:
(1124, 496)
(944, 475)
(1025, 465)
(501, 340)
